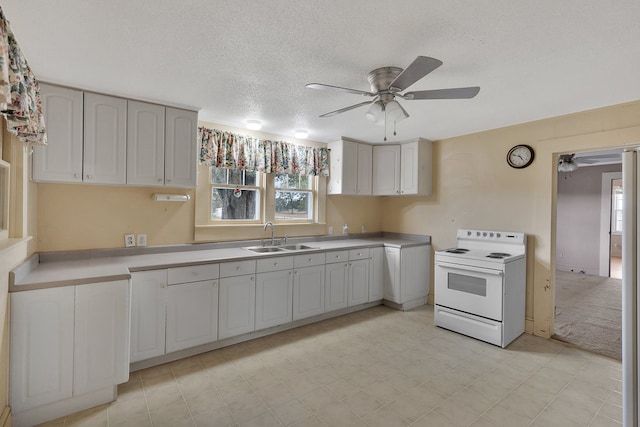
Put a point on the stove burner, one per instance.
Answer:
(498, 255)
(457, 251)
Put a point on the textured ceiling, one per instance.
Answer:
(240, 60)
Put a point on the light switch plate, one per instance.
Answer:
(142, 240)
(129, 240)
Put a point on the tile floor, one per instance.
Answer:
(377, 367)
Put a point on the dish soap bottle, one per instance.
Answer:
(345, 229)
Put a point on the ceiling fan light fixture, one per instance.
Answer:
(301, 134)
(254, 124)
(566, 166)
(375, 113)
(395, 112)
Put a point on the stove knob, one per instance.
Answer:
(484, 234)
(491, 234)
(478, 233)
(468, 233)
(498, 235)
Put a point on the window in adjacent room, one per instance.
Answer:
(4, 199)
(294, 197)
(235, 195)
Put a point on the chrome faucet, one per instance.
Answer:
(265, 229)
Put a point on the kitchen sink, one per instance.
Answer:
(297, 247)
(265, 249)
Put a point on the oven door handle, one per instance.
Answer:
(469, 268)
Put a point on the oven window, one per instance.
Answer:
(467, 284)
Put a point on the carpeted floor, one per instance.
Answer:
(589, 312)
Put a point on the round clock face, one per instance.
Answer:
(520, 156)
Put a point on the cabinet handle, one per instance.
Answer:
(168, 180)
(251, 278)
(238, 268)
(164, 285)
(275, 263)
(338, 257)
(89, 176)
(289, 273)
(295, 272)
(310, 259)
(159, 179)
(215, 283)
(76, 176)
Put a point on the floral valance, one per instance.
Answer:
(20, 101)
(232, 151)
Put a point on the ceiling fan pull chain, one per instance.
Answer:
(394, 128)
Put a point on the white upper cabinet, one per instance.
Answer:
(180, 159)
(145, 144)
(105, 139)
(403, 169)
(415, 174)
(350, 168)
(61, 159)
(386, 170)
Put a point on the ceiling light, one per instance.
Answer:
(567, 166)
(375, 113)
(301, 134)
(254, 124)
(395, 112)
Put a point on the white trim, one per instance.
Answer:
(605, 221)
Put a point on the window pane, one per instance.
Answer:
(281, 181)
(305, 182)
(218, 176)
(250, 178)
(293, 205)
(230, 204)
(235, 176)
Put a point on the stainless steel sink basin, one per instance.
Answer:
(264, 249)
(297, 247)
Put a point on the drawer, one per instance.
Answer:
(355, 254)
(337, 256)
(193, 273)
(266, 265)
(308, 260)
(238, 268)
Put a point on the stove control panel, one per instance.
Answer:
(493, 236)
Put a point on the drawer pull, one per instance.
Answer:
(310, 259)
(275, 263)
(238, 268)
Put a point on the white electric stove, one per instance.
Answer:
(480, 285)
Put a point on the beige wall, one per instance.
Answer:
(475, 188)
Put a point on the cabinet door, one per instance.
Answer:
(365, 160)
(237, 306)
(181, 143)
(415, 273)
(308, 292)
(386, 170)
(192, 314)
(358, 282)
(61, 159)
(376, 274)
(148, 314)
(392, 274)
(145, 144)
(349, 167)
(409, 157)
(335, 286)
(105, 139)
(101, 349)
(41, 366)
(274, 298)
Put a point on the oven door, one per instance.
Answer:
(474, 290)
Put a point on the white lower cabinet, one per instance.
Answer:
(148, 314)
(101, 336)
(237, 306)
(358, 282)
(376, 274)
(336, 286)
(406, 273)
(69, 349)
(308, 291)
(192, 314)
(274, 291)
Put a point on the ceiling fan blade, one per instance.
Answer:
(321, 86)
(453, 93)
(342, 110)
(419, 68)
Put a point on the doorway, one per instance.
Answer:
(588, 286)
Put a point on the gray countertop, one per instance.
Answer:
(82, 267)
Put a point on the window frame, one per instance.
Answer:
(5, 180)
(313, 205)
(259, 187)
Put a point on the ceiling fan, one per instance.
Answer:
(387, 83)
(571, 162)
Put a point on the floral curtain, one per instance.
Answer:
(20, 101)
(232, 151)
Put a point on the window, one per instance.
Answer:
(235, 195)
(294, 197)
(616, 207)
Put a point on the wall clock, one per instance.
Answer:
(520, 156)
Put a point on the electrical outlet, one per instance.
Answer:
(129, 240)
(142, 240)
(330, 230)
